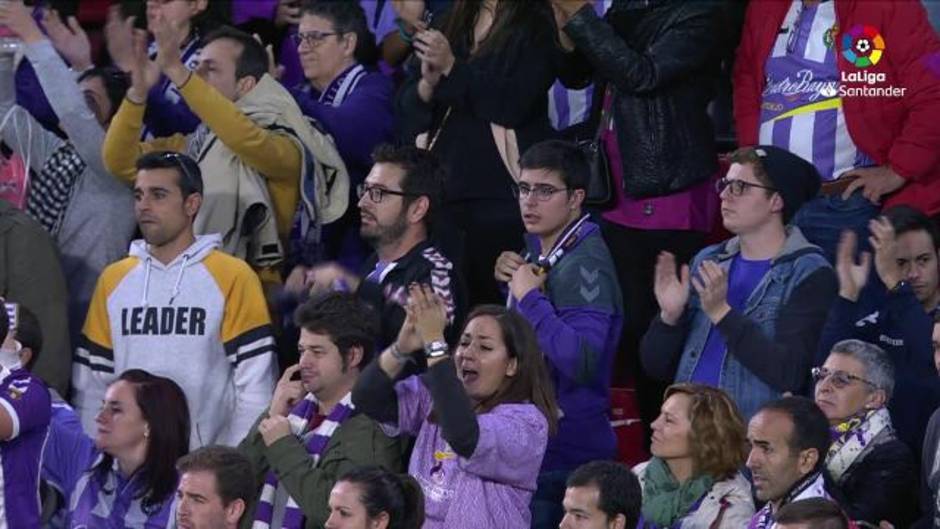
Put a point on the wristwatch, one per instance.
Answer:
(436, 349)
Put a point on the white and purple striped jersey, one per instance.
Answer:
(26, 399)
(566, 107)
(801, 109)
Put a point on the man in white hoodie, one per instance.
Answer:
(180, 308)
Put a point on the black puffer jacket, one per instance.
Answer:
(661, 57)
(880, 485)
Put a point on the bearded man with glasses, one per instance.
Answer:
(871, 473)
(752, 322)
(398, 206)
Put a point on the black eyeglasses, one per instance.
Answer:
(312, 38)
(376, 194)
(839, 379)
(738, 186)
(542, 192)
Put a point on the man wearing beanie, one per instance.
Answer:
(748, 317)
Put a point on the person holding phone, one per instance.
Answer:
(313, 432)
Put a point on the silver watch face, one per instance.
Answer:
(435, 349)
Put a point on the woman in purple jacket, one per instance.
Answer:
(482, 420)
(126, 476)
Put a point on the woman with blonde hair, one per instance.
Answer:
(692, 481)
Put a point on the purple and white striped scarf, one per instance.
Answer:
(299, 418)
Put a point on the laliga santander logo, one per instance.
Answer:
(863, 46)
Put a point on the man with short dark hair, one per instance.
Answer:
(180, 308)
(789, 440)
(312, 433)
(602, 495)
(216, 488)
(893, 307)
(566, 286)
(398, 204)
(812, 513)
(257, 151)
(752, 323)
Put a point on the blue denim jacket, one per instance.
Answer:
(796, 261)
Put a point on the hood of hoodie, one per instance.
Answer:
(195, 253)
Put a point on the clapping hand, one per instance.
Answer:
(144, 72)
(884, 241)
(672, 292)
(70, 41)
(711, 283)
(119, 36)
(428, 312)
(852, 275)
(169, 38)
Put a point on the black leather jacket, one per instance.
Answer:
(661, 59)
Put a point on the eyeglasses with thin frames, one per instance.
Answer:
(839, 379)
(312, 38)
(542, 192)
(738, 186)
(376, 194)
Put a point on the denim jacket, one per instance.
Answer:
(796, 261)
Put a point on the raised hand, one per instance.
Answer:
(672, 292)
(70, 41)
(408, 339)
(287, 393)
(144, 72)
(885, 243)
(852, 275)
(430, 315)
(169, 37)
(19, 19)
(119, 36)
(712, 287)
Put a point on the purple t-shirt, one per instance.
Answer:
(26, 399)
(743, 278)
(490, 489)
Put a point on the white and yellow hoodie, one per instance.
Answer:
(201, 320)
